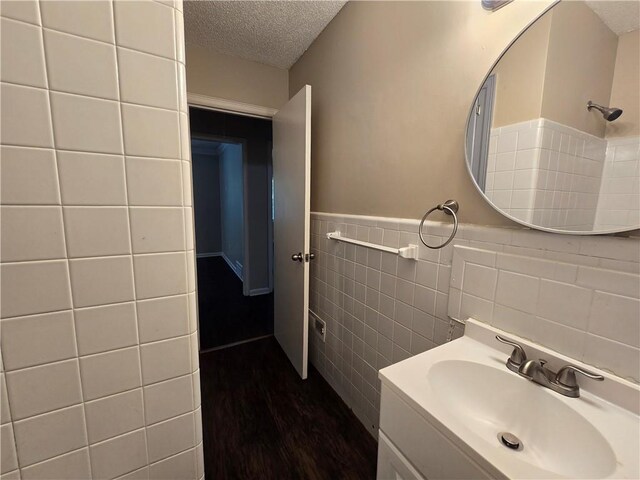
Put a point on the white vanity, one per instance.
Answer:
(444, 414)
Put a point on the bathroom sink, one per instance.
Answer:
(464, 390)
(487, 400)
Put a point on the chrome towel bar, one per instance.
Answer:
(410, 251)
(450, 207)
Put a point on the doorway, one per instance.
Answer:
(233, 212)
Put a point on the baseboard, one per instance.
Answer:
(232, 266)
(259, 291)
(205, 255)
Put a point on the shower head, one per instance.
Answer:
(609, 113)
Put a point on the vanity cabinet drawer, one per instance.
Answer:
(428, 450)
(391, 463)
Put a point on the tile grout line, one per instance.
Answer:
(64, 233)
(127, 192)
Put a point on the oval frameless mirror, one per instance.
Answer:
(553, 136)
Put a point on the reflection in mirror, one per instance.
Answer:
(537, 149)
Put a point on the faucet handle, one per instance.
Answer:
(566, 376)
(518, 355)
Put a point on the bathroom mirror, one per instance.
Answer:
(537, 150)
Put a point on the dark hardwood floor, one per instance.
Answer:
(261, 421)
(226, 315)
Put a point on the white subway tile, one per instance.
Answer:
(144, 178)
(144, 25)
(616, 317)
(98, 281)
(159, 275)
(25, 117)
(157, 229)
(514, 321)
(115, 415)
(100, 329)
(170, 437)
(97, 231)
(110, 373)
(561, 302)
(86, 124)
(119, 455)
(49, 278)
(92, 179)
(38, 339)
(45, 436)
(71, 465)
(25, 10)
(168, 399)
(155, 369)
(163, 318)
(480, 281)
(475, 307)
(150, 132)
(87, 19)
(22, 55)
(28, 176)
(147, 79)
(178, 466)
(517, 291)
(425, 299)
(44, 388)
(612, 356)
(609, 281)
(81, 66)
(507, 142)
(32, 233)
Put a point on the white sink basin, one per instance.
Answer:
(486, 400)
(465, 391)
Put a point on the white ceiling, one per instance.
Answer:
(273, 32)
(621, 16)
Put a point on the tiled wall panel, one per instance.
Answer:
(586, 312)
(99, 370)
(381, 309)
(546, 173)
(619, 202)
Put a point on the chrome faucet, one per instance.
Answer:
(563, 381)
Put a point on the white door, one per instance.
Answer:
(291, 186)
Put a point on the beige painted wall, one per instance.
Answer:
(217, 75)
(520, 76)
(625, 92)
(580, 66)
(392, 84)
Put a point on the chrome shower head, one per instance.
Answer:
(609, 113)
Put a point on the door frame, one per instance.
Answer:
(246, 260)
(229, 106)
(479, 147)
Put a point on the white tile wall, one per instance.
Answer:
(380, 309)
(545, 173)
(95, 381)
(550, 303)
(619, 202)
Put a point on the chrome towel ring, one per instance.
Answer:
(450, 207)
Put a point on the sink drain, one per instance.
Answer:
(509, 440)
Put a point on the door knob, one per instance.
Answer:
(297, 257)
(309, 256)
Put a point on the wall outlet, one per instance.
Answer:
(318, 325)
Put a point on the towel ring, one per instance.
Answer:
(450, 207)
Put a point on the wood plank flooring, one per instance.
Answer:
(261, 421)
(225, 314)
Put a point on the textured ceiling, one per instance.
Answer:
(619, 16)
(273, 32)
